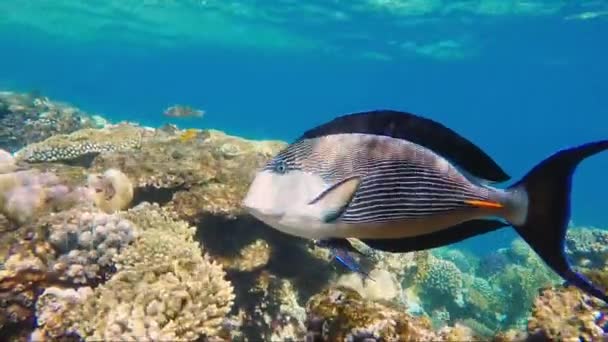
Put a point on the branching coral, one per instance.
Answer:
(443, 280)
(79, 251)
(165, 288)
(86, 242)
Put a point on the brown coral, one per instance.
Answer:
(251, 257)
(165, 289)
(341, 314)
(566, 315)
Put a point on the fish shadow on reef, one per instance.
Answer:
(289, 258)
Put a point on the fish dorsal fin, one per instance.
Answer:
(334, 200)
(421, 131)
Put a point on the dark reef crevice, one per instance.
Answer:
(153, 194)
(289, 258)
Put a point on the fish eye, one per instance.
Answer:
(280, 166)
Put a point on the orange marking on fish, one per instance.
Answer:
(484, 204)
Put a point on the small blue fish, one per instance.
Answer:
(340, 250)
(601, 320)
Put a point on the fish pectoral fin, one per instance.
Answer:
(332, 201)
(440, 238)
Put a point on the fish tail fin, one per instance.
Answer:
(544, 219)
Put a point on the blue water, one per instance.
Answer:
(532, 84)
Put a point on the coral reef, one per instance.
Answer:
(383, 287)
(341, 314)
(587, 247)
(441, 282)
(251, 257)
(206, 178)
(24, 194)
(52, 308)
(86, 256)
(165, 288)
(30, 118)
(111, 191)
(86, 243)
(82, 144)
(567, 315)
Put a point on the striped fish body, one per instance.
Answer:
(368, 186)
(401, 182)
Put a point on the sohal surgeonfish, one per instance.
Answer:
(400, 182)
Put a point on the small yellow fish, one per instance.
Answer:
(188, 135)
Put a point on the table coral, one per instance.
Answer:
(82, 143)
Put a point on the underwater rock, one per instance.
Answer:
(30, 118)
(208, 174)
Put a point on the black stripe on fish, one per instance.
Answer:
(396, 191)
(419, 130)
